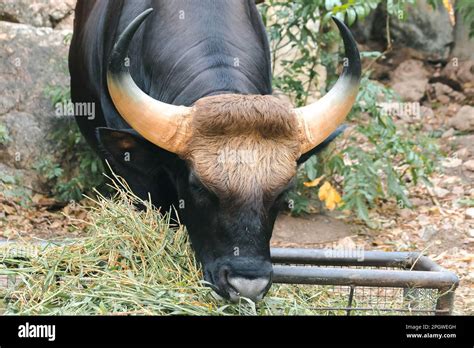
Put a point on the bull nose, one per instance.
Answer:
(253, 289)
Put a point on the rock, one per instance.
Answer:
(450, 180)
(426, 112)
(423, 220)
(458, 191)
(471, 232)
(450, 70)
(446, 111)
(27, 135)
(66, 23)
(445, 93)
(39, 13)
(411, 90)
(464, 119)
(410, 69)
(470, 213)
(416, 202)
(440, 192)
(462, 153)
(451, 162)
(420, 29)
(465, 73)
(469, 165)
(428, 232)
(32, 60)
(460, 71)
(424, 29)
(405, 213)
(443, 99)
(441, 89)
(449, 133)
(410, 80)
(452, 109)
(457, 96)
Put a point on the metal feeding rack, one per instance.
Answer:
(390, 283)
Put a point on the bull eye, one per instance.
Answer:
(199, 191)
(199, 188)
(195, 184)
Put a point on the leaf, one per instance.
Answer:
(329, 196)
(8, 209)
(351, 16)
(361, 208)
(314, 182)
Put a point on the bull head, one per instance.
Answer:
(243, 196)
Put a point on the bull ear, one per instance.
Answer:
(314, 151)
(126, 149)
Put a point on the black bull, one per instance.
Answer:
(185, 50)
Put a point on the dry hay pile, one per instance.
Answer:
(131, 262)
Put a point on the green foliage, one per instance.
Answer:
(58, 94)
(348, 11)
(298, 25)
(397, 8)
(468, 202)
(4, 135)
(10, 187)
(80, 169)
(378, 161)
(466, 9)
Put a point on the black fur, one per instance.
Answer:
(220, 46)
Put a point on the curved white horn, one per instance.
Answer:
(319, 119)
(165, 125)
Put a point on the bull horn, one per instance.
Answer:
(165, 125)
(319, 119)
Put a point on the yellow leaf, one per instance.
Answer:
(329, 196)
(314, 182)
(448, 5)
(323, 191)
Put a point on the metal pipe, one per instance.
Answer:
(363, 277)
(426, 264)
(445, 302)
(326, 257)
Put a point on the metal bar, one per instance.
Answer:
(445, 302)
(426, 264)
(363, 277)
(351, 297)
(326, 257)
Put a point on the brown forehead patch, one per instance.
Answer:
(243, 146)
